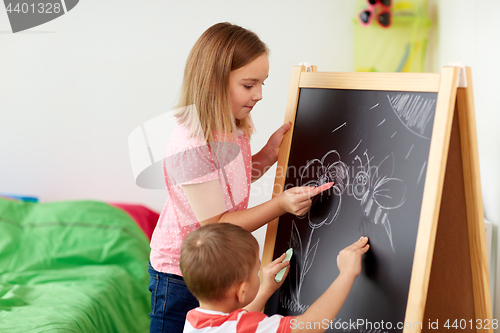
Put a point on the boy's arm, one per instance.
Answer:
(259, 301)
(328, 305)
(269, 285)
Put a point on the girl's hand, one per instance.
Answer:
(297, 200)
(274, 142)
(268, 155)
(349, 259)
(269, 284)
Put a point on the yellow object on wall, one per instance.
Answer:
(400, 47)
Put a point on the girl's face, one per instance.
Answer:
(245, 86)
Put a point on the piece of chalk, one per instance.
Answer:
(325, 187)
(280, 274)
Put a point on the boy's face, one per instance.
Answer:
(253, 282)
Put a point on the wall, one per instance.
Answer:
(74, 88)
(468, 32)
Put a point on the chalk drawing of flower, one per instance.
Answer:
(324, 210)
(326, 205)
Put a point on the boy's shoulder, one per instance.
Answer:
(199, 318)
(240, 321)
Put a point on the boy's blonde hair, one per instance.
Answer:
(222, 48)
(215, 257)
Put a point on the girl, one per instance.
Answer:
(208, 166)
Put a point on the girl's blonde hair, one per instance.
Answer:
(204, 104)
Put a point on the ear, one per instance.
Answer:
(241, 291)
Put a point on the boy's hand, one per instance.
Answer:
(269, 284)
(349, 259)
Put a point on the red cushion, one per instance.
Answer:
(145, 218)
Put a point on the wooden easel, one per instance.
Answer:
(451, 222)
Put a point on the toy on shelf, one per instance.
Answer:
(398, 43)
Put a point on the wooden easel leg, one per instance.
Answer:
(475, 210)
(450, 296)
(459, 294)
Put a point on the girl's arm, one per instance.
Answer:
(267, 156)
(208, 205)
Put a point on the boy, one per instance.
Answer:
(220, 264)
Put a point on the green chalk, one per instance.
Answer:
(280, 274)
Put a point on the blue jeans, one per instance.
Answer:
(170, 301)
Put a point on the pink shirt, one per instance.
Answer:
(192, 161)
(239, 321)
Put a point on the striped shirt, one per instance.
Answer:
(240, 321)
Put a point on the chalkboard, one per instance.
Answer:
(375, 146)
(402, 151)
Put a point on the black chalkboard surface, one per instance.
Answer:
(402, 151)
(375, 146)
